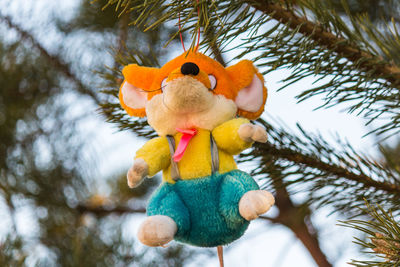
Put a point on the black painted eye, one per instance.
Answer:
(213, 81)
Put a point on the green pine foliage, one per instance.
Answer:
(48, 177)
(352, 59)
(349, 48)
(382, 237)
(342, 178)
(351, 51)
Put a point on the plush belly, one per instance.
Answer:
(208, 226)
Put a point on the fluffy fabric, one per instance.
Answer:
(140, 78)
(191, 92)
(156, 154)
(242, 75)
(228, 139)
(205, 209)
(254, 203)
(157, 230)
(229, 81)
(137, 173)
(251, 132)
(133, 97)
(250, 98)
(165, 120)
(196, 162)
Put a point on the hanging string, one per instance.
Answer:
(198, 32)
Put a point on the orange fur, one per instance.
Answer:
(141, 77)
(242, 74)
(230, 80)
(202, 77)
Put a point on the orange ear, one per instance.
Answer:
(249, 85)
(133, 93)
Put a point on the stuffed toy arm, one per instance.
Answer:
(252, 133)
(153, 157)
(238, 134)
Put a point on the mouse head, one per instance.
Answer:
(192, 91)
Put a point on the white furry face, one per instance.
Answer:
(186, 103)
(187, 95)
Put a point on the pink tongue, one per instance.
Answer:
(187, 135)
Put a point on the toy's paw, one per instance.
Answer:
(254, 203)
(252, 132)
(157, 230)
(137, 173)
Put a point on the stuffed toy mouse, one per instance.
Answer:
(201, 113)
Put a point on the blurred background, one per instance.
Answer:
(63, 194)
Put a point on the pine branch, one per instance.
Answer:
(290, 215)
(350, 59)
(299, 224)
(123, 32)
(286, 217)
(383, 232)
(216, 51)
(103, 210)
(308, 160)
(330, 168)
(341, 178)
(312, 244)
(297, 219)
(55, 60)
(365, 60)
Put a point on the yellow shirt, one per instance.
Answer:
(196, 161)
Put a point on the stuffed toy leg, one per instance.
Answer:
(209, 211)
(201, 112)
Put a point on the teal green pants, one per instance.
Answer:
(206, 210)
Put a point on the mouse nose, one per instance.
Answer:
(190, 68)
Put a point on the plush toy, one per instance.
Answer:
(200, 111)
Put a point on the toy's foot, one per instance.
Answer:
(254, 203)
(157, 230)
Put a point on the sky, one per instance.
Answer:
(262, 245)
